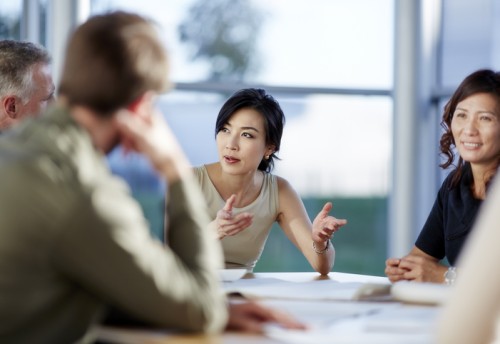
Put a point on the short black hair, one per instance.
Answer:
(262, 102)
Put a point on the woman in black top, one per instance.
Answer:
(471, 121)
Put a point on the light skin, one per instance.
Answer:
(252, 317)
(242, 145)
(476, 132)
(142, 129)
(13, 109)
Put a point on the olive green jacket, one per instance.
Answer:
(73, 242)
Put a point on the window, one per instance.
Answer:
(329, 66)
(10, 19)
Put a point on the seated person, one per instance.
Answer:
(472, 126)
(245, 198)
(26, 86)
(74, 243)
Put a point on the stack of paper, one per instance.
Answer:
(313, 290)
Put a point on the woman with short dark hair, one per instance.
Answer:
(245, 198)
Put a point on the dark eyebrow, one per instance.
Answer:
(249, 128)
(244, 128)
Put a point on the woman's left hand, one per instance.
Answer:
(324, 225)
(422, 269)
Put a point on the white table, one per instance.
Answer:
(332, 321)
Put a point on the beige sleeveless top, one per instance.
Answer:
(243, 250)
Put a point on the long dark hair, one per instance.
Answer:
(481, 81)
(268, 107)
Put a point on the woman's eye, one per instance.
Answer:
(247, 135)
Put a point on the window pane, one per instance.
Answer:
(10, 19)
(334, 148)
(470, 38)
(333, 43)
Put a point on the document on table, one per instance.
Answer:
(358, 322)
(313, 290)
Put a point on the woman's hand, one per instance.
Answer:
(227, 224)
(393, 271)
(324, 225)
(422, 269)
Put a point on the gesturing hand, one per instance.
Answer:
(324, 225)
(227, 224)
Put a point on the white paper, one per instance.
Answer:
(390, 323)
(312, 290)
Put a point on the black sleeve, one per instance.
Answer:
(431, 237)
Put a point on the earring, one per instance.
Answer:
(266, 157)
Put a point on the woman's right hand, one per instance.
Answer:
(393, 271)
(227, 224)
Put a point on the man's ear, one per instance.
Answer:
(142, 103)
(10, 105)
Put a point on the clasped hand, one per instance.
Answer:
(414, 268)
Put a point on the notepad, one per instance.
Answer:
(313, 290)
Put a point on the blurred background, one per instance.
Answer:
(362, 83)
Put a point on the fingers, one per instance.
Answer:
(422, 269)
(394, 262)
(412, 262)
(229, 203)
(242, 221)
(330, 225)
(326, 209)
(394, 271)
(234, 225)
(322, 236)
(251, 317)
(329, 222)
(285, 320)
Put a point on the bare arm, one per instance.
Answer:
(297, 226)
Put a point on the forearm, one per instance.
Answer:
(321, 257)
(196, 246)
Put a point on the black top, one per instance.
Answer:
(451, 219)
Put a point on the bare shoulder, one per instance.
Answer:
(283, 184)
(285, 189)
